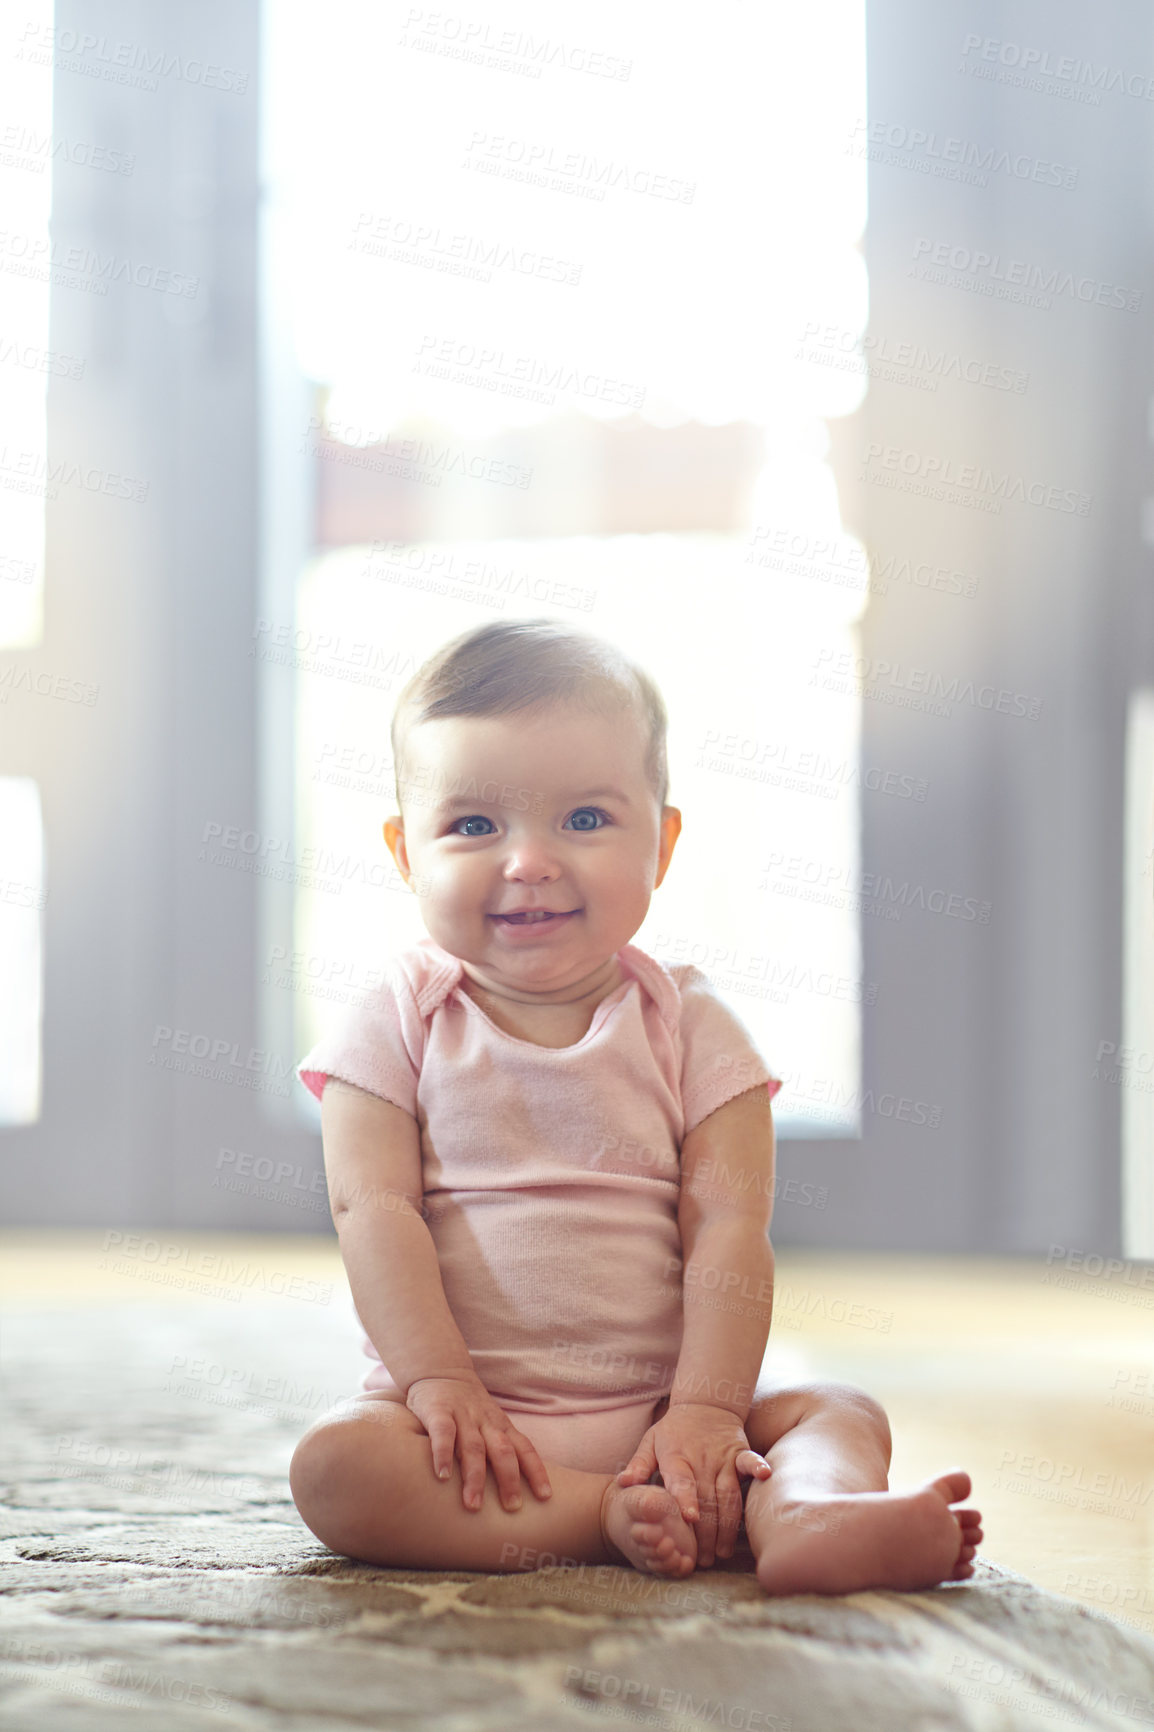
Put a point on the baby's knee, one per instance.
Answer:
(847, 1398)
(313, 1470)
(777, 1412)
(325, 1475)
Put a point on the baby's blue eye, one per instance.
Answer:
(583, 811)
(477, 818)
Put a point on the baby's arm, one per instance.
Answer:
(700, 1446)
(727, 1260)
(373, 1162)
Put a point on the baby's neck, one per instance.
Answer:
(593, 987)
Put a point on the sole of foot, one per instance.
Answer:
(644, 1524)
(846, 1545)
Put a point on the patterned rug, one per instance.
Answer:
(155, 1574)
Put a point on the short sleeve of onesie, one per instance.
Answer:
(377, 1046)
(719, 1058)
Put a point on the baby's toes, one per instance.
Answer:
(657, 1542)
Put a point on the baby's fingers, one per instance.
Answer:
(473, 1468)
(729, 1510)
(531, 1465)
(642, 1465)
(680, 1479)
(506, 1464)
(442, 1430)
(753, 1466)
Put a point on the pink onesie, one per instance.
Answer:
(551, 1179)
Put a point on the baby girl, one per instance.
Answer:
(546, 1152)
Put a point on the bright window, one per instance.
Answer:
(554, 278)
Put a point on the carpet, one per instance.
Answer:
(154, 1573)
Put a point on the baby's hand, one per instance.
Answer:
(462, 1418)
(700, 1451)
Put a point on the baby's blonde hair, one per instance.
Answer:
(515, 665)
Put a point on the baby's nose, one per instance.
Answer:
(531, 860)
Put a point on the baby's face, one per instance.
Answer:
(543, 810)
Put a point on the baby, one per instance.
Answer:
(546, 1155)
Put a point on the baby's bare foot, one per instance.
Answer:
(644, 1524)
(876, 1539)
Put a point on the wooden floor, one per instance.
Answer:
(1039, 1380)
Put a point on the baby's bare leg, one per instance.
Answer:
(826, 1522)
(362, 1479)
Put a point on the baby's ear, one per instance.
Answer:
(393, 830)
(670, 830)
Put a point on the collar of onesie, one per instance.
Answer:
(432, 983)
